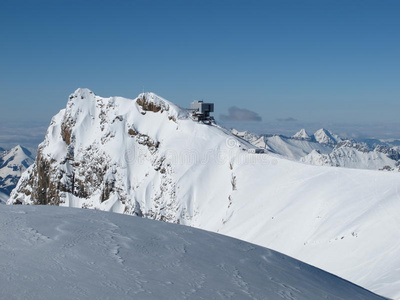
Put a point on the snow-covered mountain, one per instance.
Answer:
(12, 164)
(61, 253)
(324, 136)
(302, 135)
(325, 148)
(146, 157)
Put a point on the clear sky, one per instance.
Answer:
(313, 61)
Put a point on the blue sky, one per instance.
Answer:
(314, 61)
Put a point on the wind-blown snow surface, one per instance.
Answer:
(152, 160)
(64, 253)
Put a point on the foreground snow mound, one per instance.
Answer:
(12, 164)
(147, 158)
(62, 253)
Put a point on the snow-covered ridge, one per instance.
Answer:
(126, 156)
(60, 253)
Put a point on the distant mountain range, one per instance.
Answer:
(324, 148)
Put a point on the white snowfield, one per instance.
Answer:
(65, 253)
(164, 166)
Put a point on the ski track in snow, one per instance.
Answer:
(52, 252)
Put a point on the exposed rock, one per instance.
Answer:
(147, 105)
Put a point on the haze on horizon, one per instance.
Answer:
(292, 63)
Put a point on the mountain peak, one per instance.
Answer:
(302, 135)
(22, 150)
(17, 155)
(324, 136)
(152, 102)
(82, 93)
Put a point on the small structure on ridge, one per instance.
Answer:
(201, 111)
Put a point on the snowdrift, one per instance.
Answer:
(64, 253)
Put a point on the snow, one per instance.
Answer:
(64, 253)
(342, 220)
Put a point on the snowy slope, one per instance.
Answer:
(148, 158)
(61, 253)
(12, 164)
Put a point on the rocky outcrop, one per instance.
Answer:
(152, 106)
(104, 153)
